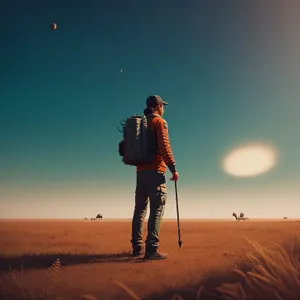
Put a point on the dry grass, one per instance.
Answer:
(259, 272)
(274, 274)
(266, 273)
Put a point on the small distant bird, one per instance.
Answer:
(53, 26)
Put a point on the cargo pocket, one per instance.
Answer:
(162, 194)
(163, 199)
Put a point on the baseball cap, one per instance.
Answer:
(154, 100)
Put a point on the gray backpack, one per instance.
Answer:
(139, 144)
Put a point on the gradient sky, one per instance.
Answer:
(230, 71)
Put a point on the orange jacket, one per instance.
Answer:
(165, 157)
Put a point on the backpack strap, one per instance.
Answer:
(149, 118)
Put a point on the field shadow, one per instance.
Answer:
(204, 289)
(40, 261)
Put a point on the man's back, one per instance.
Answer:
(164, 156)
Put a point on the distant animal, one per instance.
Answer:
(99, 217)
(284, 218)
(86, 218)
(240, 218)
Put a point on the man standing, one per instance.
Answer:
(151, 184)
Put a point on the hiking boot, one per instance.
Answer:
(137, 252)
(155, 255)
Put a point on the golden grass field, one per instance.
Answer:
(81, 259)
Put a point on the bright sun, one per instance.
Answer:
(249, 160)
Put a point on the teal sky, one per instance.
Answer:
(230, 71)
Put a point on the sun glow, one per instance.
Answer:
(250, 160)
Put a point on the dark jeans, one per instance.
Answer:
(150, 185)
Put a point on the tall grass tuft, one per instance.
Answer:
(54, 270)
(274, 274)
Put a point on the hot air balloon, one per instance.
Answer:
(53, 26)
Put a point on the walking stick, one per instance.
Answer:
(178, 225)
